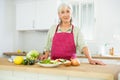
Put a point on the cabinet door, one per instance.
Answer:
(25, 14)
(46, 12)
(81, 78)
(51, 77)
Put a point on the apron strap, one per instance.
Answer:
(72, 28)
(58, 26)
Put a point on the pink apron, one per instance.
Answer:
(63, 45)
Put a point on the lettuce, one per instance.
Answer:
(33, 54)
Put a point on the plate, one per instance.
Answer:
(48, 65)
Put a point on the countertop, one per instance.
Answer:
(103, 57)
(79, 56)
(107, 72)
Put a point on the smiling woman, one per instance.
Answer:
(65, 38)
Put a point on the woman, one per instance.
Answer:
(64, 39)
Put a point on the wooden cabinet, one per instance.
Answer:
(35, 14)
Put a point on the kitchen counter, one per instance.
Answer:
(103, 57)
(95, 56)
(107, 72)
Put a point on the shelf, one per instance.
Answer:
(14, 54)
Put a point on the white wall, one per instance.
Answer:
(107, 18)
(30, 40)
(7, 25)
(107, 14)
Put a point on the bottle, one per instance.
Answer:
(111, 52)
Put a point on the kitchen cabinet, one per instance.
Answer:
(78, 78)
(21, 75)
(35, 14)
(25, 14)
(46, 13)
(119, 76)
(52, 77)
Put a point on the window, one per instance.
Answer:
(83, 16)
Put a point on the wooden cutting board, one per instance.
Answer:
(14, 53)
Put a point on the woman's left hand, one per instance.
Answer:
(96, 62)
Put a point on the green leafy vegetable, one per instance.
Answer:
(33, 54)
(48, 61)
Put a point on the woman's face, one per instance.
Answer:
(65, 14)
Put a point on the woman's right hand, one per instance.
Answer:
(44, 56)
